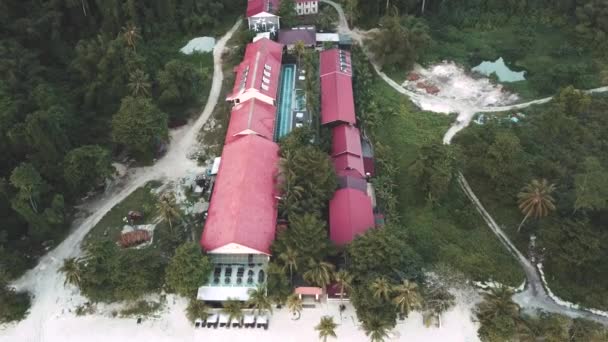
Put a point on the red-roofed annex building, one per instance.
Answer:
(351, 208)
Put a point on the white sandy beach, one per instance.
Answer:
(172, 325)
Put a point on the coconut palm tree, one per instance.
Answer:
(344, 281)
(376, 329)
(139, 83)
(71, 270)
(259, 299)
(497, 303)
(299, 49)
(131, 35)
(326, 328)
(197, 309)
(535, 200)
(381, 288)
(167, 209)
(407, 297)
(437, 301)
(290, 261)
(319, 273)
(294, 304)
(233, 308)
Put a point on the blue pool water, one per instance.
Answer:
(284, 122)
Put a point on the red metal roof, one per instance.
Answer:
(335, 61)
(350, 214)
(260, 69)
(346, 139)
(243, 208)
(349, 165)
(251, 117)
(337, 102)
(258, 6)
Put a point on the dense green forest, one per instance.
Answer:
(79, 81)
(565, 143)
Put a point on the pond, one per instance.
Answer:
(501, 69)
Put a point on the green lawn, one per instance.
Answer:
(110, 226)
(451, 233)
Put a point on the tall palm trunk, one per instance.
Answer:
(423, 5)
(522, 222)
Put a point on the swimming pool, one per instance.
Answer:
(284, 122)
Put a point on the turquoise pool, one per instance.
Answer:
(284, 122)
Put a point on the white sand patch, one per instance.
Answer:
(199, 44)
(172, 325)
(458, 93)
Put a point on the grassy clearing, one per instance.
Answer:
(110, 226)
(453, 233)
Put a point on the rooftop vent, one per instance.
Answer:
(267, 67)
(266, 73)
(265, 87)
(265, 80)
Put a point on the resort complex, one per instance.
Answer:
(268, 103)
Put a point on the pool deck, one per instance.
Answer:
(284, 122)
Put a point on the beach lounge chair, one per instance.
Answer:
(262, 322)
(223, 321)
(236, 323)
(249, 321)
(198, 323)
(212, 321)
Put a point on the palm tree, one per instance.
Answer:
(167, 208)
(139, 83)
(294, 304)
(535, 200)
(197, 309)
(497, 303)
(407, 297)
(344, 281)
(232, 308)
(376, 329)
(319, 273)
(290, 259)
(131, 34)
(326, 328)
(299, 49)
(259, 299)
(438, 301)
(71, 270)
(381, 288)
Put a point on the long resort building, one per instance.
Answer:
(350, 210)
(242, 216)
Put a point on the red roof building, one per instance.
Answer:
(337, 102)
(349, 165)
(242, 215)
(346, 139)
(258, 74)
(346, 151)
(350, 214)
(251, 117)
(255, 7)
(335, 61)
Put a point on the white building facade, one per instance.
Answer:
(305, 7)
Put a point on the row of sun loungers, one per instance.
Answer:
(221, 320)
